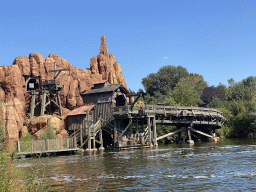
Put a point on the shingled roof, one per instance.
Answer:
(81, 110)
(109, 88)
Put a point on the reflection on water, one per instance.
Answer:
(228, 165)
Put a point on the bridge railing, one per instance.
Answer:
(168, 109)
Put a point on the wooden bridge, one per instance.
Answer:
(122, 125)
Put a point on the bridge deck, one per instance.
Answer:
(173, 114)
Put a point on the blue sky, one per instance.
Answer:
(213, 38)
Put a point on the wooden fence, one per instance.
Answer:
(46, 145)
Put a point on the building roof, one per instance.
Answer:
(109, 88)
(81, 110)
(99, 82)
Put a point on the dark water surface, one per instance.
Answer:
(229, 165)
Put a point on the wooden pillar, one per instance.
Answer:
(101, 140)
(81, 135)
(89, 139)
(190, 141)
(115, 132)
(130, 122)
(18, 146)
(33, 102)
(43, 104)
(149, 133)
(93, 138)
(154, 131)
(59, 102)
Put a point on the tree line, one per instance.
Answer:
(175, 86)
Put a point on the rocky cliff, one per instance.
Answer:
(15, 103)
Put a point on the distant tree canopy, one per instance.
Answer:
(175, 86)
(164, 80)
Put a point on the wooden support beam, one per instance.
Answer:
(154, 131)
(115, 132)
(101, 140)
(149, 132)
(130, 125)
(169, 134)
(59, 102)
(33, 100)
(43, 104)
(81, 135)
(202, 133)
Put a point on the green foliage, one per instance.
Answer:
(13, 178)
(27, 137)
(50, 133)
(164, 80)
(215, 103)
(196, 81)
(174, 86)
(185, 95)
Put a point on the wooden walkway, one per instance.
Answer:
(46, 146)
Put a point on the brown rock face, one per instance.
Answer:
(75, 81)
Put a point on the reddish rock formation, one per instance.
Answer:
(75, 81)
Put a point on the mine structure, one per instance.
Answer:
(48, 90)
(110, 120)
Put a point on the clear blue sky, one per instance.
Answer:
(213, 38)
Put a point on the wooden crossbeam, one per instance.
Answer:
(171, 133)
(202, 133)
(125, 129)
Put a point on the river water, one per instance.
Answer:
(229, 165)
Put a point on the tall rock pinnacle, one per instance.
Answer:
(103, 47)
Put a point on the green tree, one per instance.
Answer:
(196, 81)
(215, 103)
(184, 95)
(164, 80)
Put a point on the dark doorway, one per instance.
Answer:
(32, 84)
(120, 100)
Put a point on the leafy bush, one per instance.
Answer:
(50, 133)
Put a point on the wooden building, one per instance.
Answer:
(105, 97)
(78, 117)
(100, 101)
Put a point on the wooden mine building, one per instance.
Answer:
(108, 117)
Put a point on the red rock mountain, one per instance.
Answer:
(15, 102)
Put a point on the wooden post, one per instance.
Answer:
(154, 131)
(59, 102)
(81, 135)
(101, 140)
(93, 141)
(190, 141)
(33, 101)
(18, 143)
(68, 142)
(43, 103)
(115, 132)
(89, 139)
(130, 121)
(75, 142)
(149, 133)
